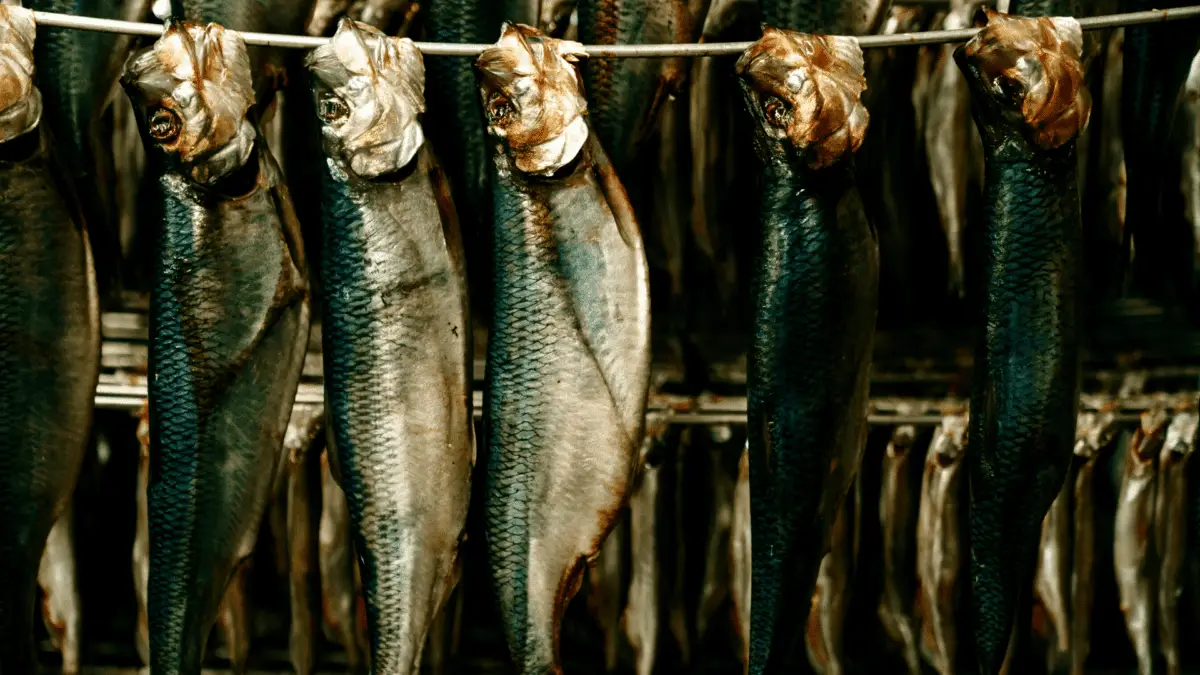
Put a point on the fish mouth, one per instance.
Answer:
(548, 157)
(377, 159)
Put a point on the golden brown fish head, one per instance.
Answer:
(533, 98)
(370, 91)
(1148, 438)
(1026, 74)
(1094, 430)
(805, 91)
(20, 100)
(192, 90)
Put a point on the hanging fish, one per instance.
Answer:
(1051, 582)
(1191, 154)
(815, 295)
(1026, 387)
(49, 345)
(1094, 432)
(826, 619)
(641, 616)
(740, 567)
(898, 523)
(606, 590)
(1112, 142)
(141, 538)
(339, 590)
(222, 382)
(60, 592)
(1133, 536)
(397, 338)
(1170, 529)
(717, 582)
(940, 543)
(571, 323)
(303, 443)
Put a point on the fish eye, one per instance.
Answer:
(499, 108)
(164, 125)
(777, 112)
(332, 109)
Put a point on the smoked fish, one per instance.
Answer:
(740, 553)
(340, 589)
(898, 508)
(1052, 581)
(815, 291)
(1029, 103)
(570, 323)
(61, 606)
(1094, 433)
(397, 337)
(1133, 536)
(1170, 529)
(49, 339)
(228, 326)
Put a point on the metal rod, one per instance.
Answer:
(625, 51)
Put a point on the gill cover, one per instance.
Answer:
(1029, 73)
(370, 95)
(20, 100)
(806, 90)
(533, 98)
(192, 90)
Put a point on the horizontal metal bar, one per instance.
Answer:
(623, 51)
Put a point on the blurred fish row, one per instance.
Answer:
(255, 193)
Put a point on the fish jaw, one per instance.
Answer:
(805, 93)
(20, 100)
(191, 91)
(533, 99)
(1027, 81)
(369, 90)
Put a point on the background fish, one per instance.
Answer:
(898, 509)
(1170, 530)
(1190, 182)
(1133, 536)
(815, 294)
(826, 619)
(1026, 386)
(607, 587)
(397, 337)
(49, 342)
(303, 444)
(641, 616)
(1094, 433)
(940, 542)
(222, 383)
(570, 323)
(61, 609)
(740, 563)
(340, 590)
(717, 583)
(1052, 581)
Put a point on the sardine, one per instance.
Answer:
(50, 349)
(626, 95)
(1026, 384)
(1190, 182)
(940, 545)
(949, 145)
(60, 592)
(815, 293)
(1094, 433)
(898, 523)
(716, 587)
(302, 446)
(222, 382)
(641, 616)
(740, 564)
(397, 337)
(826, 619)
(339, 593)
(1051, 582)
(606, 590)
(571, 323)
(1170, 529)
(1133, 536)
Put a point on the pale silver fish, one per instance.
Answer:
(740, 567)
(1133, 537)
(641, 617)
(1094, 433)
(826, 619)
(606, 586)
(1170, 529)
(339, 589)
(1051, 583)
(1190, 178)
(898, 502)
(61, 607)
(715, 588)
(301, 479)
(941, 548)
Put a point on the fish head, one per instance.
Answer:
(20, 100)
(1026, 74)
(1147, 439)
(1181, 435)
(950, 439)
(533, 98)
(191, 91)
(1095, 430)
(370, 94)
(805, 93)
(902, 440)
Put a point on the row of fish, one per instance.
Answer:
(568, 353)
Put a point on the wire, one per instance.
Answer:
(634, 51)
